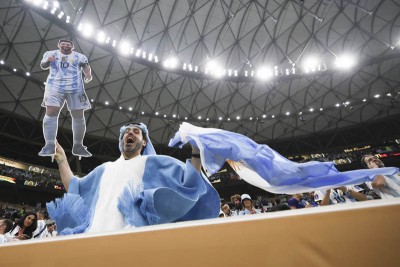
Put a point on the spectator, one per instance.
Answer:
(248, 205)
(387, 186)
(150, 189)
(343, 194)
(5, 227)
(226, 210)
(296, 202)
(25, 226)
(237, 202)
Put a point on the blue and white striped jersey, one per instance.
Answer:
(65, 72)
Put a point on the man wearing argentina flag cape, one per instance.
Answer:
(263, 167)
(140, 188)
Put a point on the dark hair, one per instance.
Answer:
(363, 164)
(65, 41)
(28, 231)
(8, 223)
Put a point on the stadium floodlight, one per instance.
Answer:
(311, 64)
(101, 37)
(171, 63)
(37, 2)
(213, 68)
(86, 29)
(264, 73)
(124, 48)
(56, 4)
(45, 5)
(345, 62)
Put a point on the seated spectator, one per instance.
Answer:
(343, 194)
(311, 199)
(5, 227)
(296, 202)
(226, 210)
(236, 200)
(385, 186)
(248, 205)
(24, 228)
(51, 229)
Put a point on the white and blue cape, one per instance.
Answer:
(263, 167)
(144, 190)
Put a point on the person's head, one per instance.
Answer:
(30, 219)
(235, 199)
(5, 226)
(371, 162)
(28, 223)
(298, 196)
(50, 226)
(225, 208)
(65, 46)
(246, 201)
(134, 140)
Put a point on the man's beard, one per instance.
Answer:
(132, 149)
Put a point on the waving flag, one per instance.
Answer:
(263, 167)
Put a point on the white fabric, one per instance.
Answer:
(394, 188)
(116, 176)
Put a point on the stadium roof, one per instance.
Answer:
(243, 66)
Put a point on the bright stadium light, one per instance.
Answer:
(345, 62)
(124, 47)
(213, 68)
(87, 30)
(311, 64)
(101, 37)
(171, 63)
(37, 2)
(264, 73)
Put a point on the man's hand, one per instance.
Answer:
(87, 78)
(379, 182)
(343, 189)
(60, 153)
(51, 58)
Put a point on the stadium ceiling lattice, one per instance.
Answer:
(241, 36)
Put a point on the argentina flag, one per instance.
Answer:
(263, 167)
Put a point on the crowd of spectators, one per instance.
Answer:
(43, 179)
